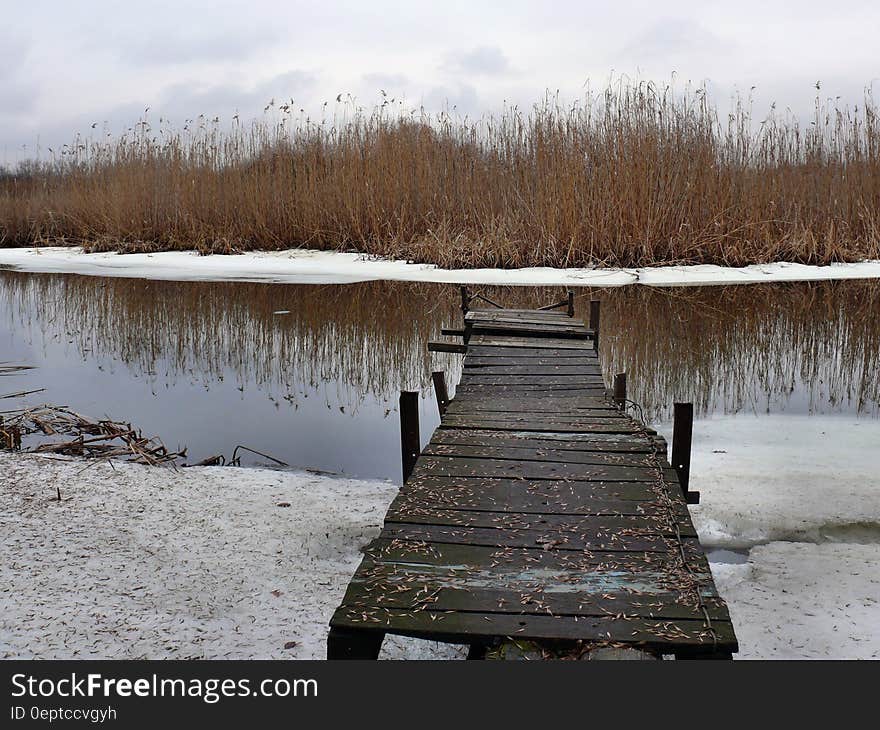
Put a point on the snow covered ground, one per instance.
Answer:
(330, 267)
(800, 496)
(207, 562)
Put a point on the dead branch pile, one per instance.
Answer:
(62, 431)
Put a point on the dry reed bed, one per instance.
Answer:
(637, 175)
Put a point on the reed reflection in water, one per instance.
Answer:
(311, 373)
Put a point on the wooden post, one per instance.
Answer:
(594, 322)
(570, 303)
(620, 390)
(342, 644)
(440, 391)
(465, 300)
(410, 445)
(682, 433)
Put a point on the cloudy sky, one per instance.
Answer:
(65, 65)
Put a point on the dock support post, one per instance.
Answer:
(342, 644)
(620, 390)
(440, 391)
(570, 303)
(465, 300)
(594, 322)
(682, 434)
(410, 443)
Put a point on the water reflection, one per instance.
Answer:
(310, 374)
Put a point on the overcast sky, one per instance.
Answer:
(65, 65)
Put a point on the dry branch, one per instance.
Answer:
(107, 438)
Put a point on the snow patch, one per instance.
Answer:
(785, 477)
(800, 600)
(304, 266)
(205, 562)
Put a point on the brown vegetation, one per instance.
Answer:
(635, 176)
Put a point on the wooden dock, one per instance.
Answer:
(539, 511)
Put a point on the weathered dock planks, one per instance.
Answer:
(538, 511)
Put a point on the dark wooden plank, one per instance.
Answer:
(547, 407)
(506, 488)
(541, 370)
(405, 509)
(424, 588)
(477, 400)
(474, 361)
(527, 312)
(393, 587)
(530, 330)
(527, 320)
(506, 341)
(574, 416)
(583, 567)
(476, 377)
(529, 390)
(455, 347)
(531, 495)
(539, 424)
(529, 325)
(604, 540)
(465, 627)
(539, 454)
(495, 468)
(532, 440)
(468, 492)
(477, 315)
(524, 504)
(537, 374)
(496, 351)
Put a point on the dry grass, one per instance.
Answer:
(634, 176)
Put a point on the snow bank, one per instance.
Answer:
(803, 492)
(138, 562)
(329, 267)
(785, 477)
(799, 600)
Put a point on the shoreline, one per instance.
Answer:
(304, 266)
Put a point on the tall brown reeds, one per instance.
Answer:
(636, 175)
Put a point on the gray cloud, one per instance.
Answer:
(13, 54)
(15, 99)
(187, 100)
(462, 99)
(674, 37)
(482, 61)
(177, 47)
(66, 65)
(387, 81)
(176, 103)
